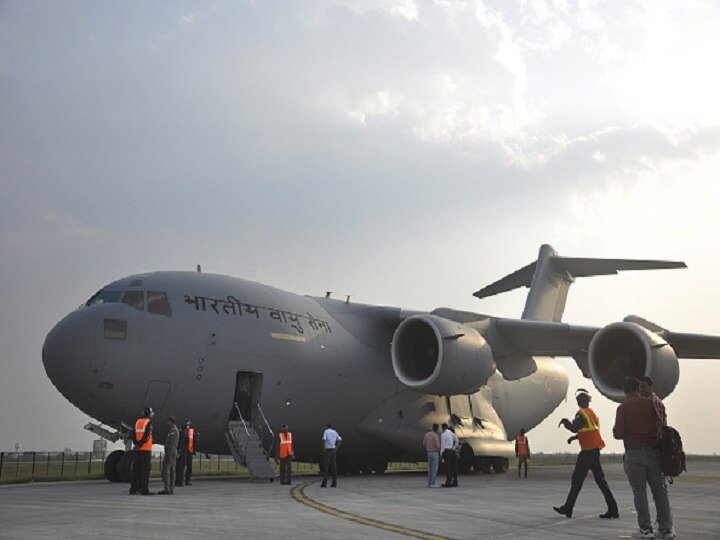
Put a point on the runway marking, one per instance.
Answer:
(298, 493)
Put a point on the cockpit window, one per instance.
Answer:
(135, 299)
(158, 303)
(104, 296)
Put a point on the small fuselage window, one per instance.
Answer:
(104, 296)
(157, 302)
(134, 299)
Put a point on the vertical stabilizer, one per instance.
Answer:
(549, 279)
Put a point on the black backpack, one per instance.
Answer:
(672, 461)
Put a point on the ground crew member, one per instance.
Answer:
(522, 451)
(331, 442)
(186, 451)
(285, 454)
(143, 441)
(171, 452)
(587, 426)
(638, 425)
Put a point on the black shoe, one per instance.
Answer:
(188, 483)
(333, 485)
(147, 493)
(134, 493)
(323, 485)
(178, 485)
(454, 484)
(563, 511)
(610, 515)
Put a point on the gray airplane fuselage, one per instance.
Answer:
(181, 344)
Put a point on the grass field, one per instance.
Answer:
(53, 466)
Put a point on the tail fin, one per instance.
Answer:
(550, 277)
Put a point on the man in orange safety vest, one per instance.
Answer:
(587, 426)
(522, 451)
(142, 455)
(285, 454)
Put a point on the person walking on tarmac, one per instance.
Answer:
(142, 438)
(522, 451)
(171, 452)
(587, 426)
(285, 454)
(186, 451)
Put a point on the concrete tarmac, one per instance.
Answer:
(390, 506)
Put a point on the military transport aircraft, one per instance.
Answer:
(240, 359)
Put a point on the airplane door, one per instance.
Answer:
(156, 394)
(248, 390)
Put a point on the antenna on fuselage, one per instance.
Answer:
(199, 269)
(327, 294)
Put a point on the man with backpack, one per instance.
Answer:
(640, 429)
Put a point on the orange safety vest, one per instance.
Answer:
(286, 449)
(522, 447)
(589, 436)
(140, 427)
(191, 440)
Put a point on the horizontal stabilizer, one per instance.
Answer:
(573, 267)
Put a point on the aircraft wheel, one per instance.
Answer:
(466, 459)
(124, 467)
(111, 466)
(484, 465)
(500, 464)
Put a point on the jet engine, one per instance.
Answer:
(627, 349)
(440, 356)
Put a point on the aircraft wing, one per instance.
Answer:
(518, 336)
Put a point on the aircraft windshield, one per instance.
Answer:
(104, 296)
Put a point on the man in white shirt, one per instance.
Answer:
(331, 441)
(449, 443)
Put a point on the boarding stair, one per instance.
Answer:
(245, 442)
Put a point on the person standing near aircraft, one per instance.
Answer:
(186, 451)
(639, 427)
(522, 450)
(587, 426)
(285, 455)
(448, 449)
(331, 442)
(170, 458)
(431, 442)
(143, 440)
(645, 385)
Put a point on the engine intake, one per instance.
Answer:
(440, 356)
(626, 349)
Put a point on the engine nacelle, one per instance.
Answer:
(440, 356)
(627, 349)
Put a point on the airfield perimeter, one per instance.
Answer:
(390, 506)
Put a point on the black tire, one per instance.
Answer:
(484, 465)
(111, 466)
(501, 464)
(124, 467)
(466, 459)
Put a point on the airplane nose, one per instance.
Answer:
(68, 352)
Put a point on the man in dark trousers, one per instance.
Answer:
(638, 425)
(285, 454)
(587, 426)
(331, 442)
(522, 451)
(449, 444)
(186, 451)
(143, 441)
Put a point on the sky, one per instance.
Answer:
(405, 152)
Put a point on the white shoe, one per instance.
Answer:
(433, 486)
(666, 534)
(643, 533)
